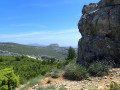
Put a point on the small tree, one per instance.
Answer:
(8, 80)
(1, 60)
(71, 53)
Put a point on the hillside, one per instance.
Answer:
(36, 51)
(6, 53)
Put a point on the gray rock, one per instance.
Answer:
(100, 30)
(6, 53)
(89, 8)
(104, 3)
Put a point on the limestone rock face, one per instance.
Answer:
(100, 30)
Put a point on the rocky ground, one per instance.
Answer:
(100, 83)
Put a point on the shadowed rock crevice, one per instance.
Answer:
(100, 30)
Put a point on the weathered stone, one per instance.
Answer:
(100, 88)
(105, 77)
(89, 8)
(104, 3)
(100, 30)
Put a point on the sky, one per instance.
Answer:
(41, 21)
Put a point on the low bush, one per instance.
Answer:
(62, 89)
(99, 68)
(8, 80)
(60, 65)
(70, 61)
(114, 86)
(32, 82)
(49, 81)
(47, 88)
(55, 73)
(75, 72)
(47, 74)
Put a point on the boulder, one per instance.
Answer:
(100, 30)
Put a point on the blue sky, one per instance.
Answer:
(41, 21)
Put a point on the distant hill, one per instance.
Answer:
(58, 49)
(36, 44)
(51, 50)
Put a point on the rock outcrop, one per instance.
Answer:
(6, 53)
(100, 30)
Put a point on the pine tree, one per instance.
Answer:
(71, 53)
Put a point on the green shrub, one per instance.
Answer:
(55, 73)
(4, 87)
(67, 61)
(49, 80)
(47, 74)
(32, 82)
(75, 72)
(99, 68)
(47, 88)
(1, 60)
(17, 58)
(60, 65)
(8, 80)
(62, 88)
(114, 86)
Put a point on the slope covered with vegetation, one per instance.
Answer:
(15, 69)
(32, 50)
(27, 68)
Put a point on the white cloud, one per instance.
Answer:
(63, 31)
(43, 33)
(62, 37)
(20, 35)
(28, 24)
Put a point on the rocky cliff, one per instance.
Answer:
(100, 30)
